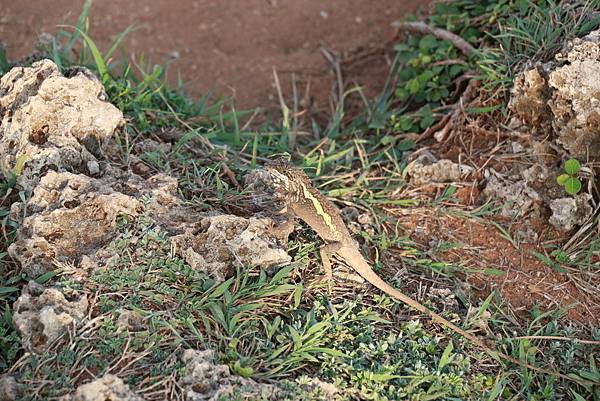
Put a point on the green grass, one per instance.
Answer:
(364, 346)
(275, 326)
(10, 282)
(251, 325)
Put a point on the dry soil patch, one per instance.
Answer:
(228, 46)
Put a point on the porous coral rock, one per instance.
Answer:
(564, 96)
(426, 169)
(52, 122)
(71, 216)
(530, 98)
(107, 388)
(221, 242)
(68, 216)
(536, 186)
(575, 99)
(206, 381)
(516, 195)
(570, 211)
(41, 315)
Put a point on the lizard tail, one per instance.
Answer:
(359, 264)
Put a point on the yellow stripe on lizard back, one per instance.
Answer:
(319, 208)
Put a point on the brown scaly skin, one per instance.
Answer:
(304, 201)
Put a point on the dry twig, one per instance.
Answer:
(420, 27)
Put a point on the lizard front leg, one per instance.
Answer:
(282, 229)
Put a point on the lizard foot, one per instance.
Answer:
(349, 277)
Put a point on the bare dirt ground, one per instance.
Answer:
(525, 282)
(228, 47)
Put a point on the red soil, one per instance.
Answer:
(229, 47)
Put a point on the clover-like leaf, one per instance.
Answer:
(561, 179)
(572, 166)
(572, 186)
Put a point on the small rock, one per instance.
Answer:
(130, 320)
(151, 146)
(516, 196)
(426, 170)
(570, 212)
(10, 390)
(41, 315)
(161, 189)
(446, 298)
(93, 167)
(202, 376)
(516, 147)
(349, 214)
(205, 380)
(365, 219)
(220, 242)
(536, 174)
(108, 388)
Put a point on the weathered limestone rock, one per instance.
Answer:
(564, 96)
(41, 315)
(536, 186)
(206, 381)
(219, 243)
(570, 211)
(426, 169)
(530, 98)
(107, 388)
(68, 216)
(517, 197)
(53, 122)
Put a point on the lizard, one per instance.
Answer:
(301, 199)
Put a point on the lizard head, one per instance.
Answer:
(284, 173)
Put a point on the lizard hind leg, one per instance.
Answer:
(327, 251)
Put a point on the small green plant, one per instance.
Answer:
(428, 76)
(9, 284)
(569, 179)
(4, 65)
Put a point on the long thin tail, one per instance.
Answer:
(358, 263)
